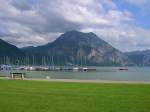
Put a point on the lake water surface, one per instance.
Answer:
(102, 73)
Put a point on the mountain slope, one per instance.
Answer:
(9, 50)
(140, 58)
(80, 48)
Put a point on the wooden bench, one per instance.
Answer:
(17, 74)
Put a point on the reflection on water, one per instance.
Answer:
(102, 73)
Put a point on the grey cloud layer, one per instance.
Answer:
(36, 22)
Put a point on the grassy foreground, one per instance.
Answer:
(36, 96)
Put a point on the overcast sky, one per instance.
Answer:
(125, 24)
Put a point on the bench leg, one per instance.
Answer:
(22, 77)
(12, 76)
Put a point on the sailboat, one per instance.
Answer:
(83, 68)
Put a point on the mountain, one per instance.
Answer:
(80, 48)
(9, 50)
(140, 58)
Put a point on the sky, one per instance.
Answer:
(125, 24)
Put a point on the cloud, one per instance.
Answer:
(37, 22)
(22, 4)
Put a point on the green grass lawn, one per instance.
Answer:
(38, 96)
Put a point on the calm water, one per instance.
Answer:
(102, 73)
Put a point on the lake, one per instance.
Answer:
(102, 73)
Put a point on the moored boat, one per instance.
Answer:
(123, 69)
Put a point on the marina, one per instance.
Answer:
(43, 63)
(49, 69)
(101, 73)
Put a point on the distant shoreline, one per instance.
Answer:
(83, 81)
